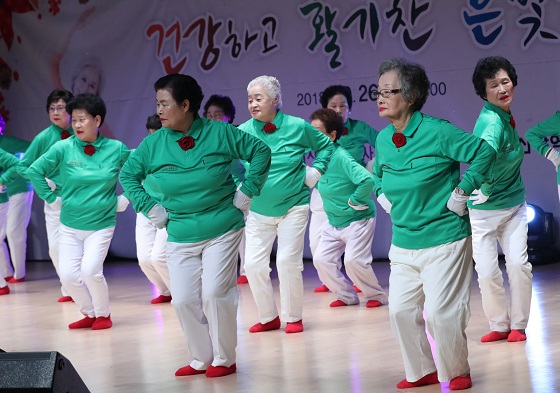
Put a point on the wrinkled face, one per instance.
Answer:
(394, 108)
(87, 81)
(261, 106)
(58, 114)
(499, 90)
(339, 104)
(214, 112)
(171, 114)
(320, 126)
(85, 125)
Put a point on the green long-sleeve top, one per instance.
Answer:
(535, 135)
(359, 133)
(8, 171)
(16, 146)
(89, 200)
(39, 145)
(344, 180)
(195, 186)
(505, 187)
(418, 179)
(285, 187)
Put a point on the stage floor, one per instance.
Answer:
(345, 349)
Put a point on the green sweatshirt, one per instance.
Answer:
(359, 133)
(505, 187)
(8, 171)
(418, 179)
(285, 187)
(195, 186)
(40, 144)
(346, 179)
(16, 146)
(535, 135)
(89, 201)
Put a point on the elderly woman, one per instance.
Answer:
(535, 136)
(282, 208)
(417, 176)
(221, 108)
(88, 166)
(354, 137)
(498, 212)
(8, 172)
(189, 161)
(20, 198)
(150, 241)
(59, 129)
(346, 188)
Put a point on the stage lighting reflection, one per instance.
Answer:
(541, 239)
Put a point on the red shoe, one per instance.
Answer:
(517, 335)
(83, 323)
(63, 299)
(429, 379)
(5, 290)
(8, 278)
(220, 371)
(494, 336)
(321, 288)
(242, 280)
(14, 280)
(460, 383)
(263, 327)
(294, 327)
(188, 370)
(338, 303)
(102, 323)
(373, 303)
(161, 299)
(358, 290)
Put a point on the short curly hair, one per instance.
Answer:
(487, 68)
(331, 120)
(333, 90)
(413, 80)
(223, 102)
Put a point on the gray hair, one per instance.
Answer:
(413, 81)
(271, 86)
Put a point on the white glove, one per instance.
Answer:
(122, 203)
(158, 215)
(57, 204)
(369, 165)
(457, 203)
(357, 207)
(241, 200)
(312, 176)
(384, 202)
(554, 157)
(478, 197)
(51, 184)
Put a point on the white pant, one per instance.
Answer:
(509, 227)
(437, 279)
(82, 254)
(261, 232)
(52, 224)
(355, 242)
(15, 230)
(151, 244)
(318, 218)
(205, 297)
(242, 254)
(5, 266)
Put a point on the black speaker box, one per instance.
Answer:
(38, 372)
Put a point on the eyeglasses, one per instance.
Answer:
(215, 115)
(58, 109)
(385, 93)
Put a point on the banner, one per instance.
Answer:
(118, 49)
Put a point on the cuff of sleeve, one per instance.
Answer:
(467, 187)
(246, 190)
(50, 199)
(148, 207)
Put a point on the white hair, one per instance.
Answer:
(271, 86)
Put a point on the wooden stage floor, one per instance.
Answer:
(346, 349)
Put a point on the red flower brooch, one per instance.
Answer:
(65, 134)
(345, 132)
(512, 121)
(89, 150)
(186, 143)
(399, 139)
(269, 128)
